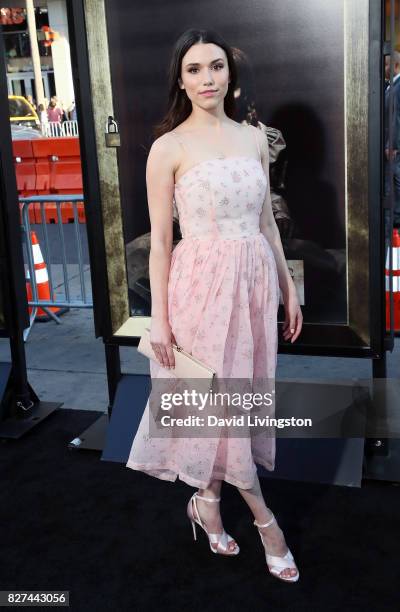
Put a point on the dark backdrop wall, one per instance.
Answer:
(296, 53)
(296, 48)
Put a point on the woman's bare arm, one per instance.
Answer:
(293, 316)
(269, 228)
(162, 161)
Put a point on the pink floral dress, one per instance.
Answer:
(223, 298)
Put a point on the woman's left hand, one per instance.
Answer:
(293, 318)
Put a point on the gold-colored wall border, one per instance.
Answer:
(356, 88)
(356, 83)
(100, 82)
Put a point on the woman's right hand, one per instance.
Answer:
(161, 339)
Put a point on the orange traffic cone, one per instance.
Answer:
(395, 281)
(42, 283)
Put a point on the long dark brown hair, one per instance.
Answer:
(179, 105)
(246, 102)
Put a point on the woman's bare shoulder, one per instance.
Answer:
(165, 149)
(253, 128)
(258, 133)
(164, 142)
(164, 156)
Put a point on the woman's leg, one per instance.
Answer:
(210, 512)
(272, 535)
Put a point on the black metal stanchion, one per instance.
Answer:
(20, 408)
(93, 438)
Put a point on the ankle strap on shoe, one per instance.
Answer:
(265, 524)
(210, 499)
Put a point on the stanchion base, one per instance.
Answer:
(14, 428)
(378, 466)
(93, 438)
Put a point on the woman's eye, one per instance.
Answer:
(216, 66)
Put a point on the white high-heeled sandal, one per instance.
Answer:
(276, 564)
(221, 539)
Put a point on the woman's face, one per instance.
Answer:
(205, 67)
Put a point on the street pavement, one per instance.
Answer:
(66, 363)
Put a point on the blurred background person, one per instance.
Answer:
(44, 120)
(31, 101)
(71, 111)
(54, 112)
(393, 154)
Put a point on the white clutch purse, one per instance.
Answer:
(186, 366)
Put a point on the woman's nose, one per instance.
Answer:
(208, 78)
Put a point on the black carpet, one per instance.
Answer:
(120, 540)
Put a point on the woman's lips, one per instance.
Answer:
(208, 93)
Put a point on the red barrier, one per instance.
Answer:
(50, 166)
(25, 171)
(396, 282)
(24, 167)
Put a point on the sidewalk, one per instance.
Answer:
(66, 363)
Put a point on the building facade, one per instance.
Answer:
(55, 58)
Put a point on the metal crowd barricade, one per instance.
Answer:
(70, 128)
(26, 203)
(53, 129)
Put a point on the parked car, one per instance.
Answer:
(23, 132)
(21, 112)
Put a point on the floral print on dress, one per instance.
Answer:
(223, 297)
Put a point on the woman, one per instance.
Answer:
(44, 120)
(217, 296)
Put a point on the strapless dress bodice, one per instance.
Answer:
(221, 198)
